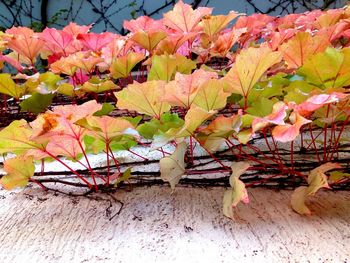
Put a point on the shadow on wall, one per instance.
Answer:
(108, 15)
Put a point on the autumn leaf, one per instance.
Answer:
(63, 65)
(276, 117)
(330, 69)
(225, 41)
(18, 172)
(25, 42)
(299, 48)
(316, 180)
(37, 102)
(97, 85)
(288, 132)
(250, 66)
(107, 128)
(66, 145)
(75, 29)
(211, 95)
(122, 66)
(182, 91)
(95, 41)
(212, 25)
(238, 193)
(195, 116)
(221, 128)
(148, 39)
(317, 101)
(15, 138)
(173, 42)
(83, 60)
(9, 87)
(57, 41)
(172, 167)
(165, 66)
(143, 23)
(145, 98)
(184, 19)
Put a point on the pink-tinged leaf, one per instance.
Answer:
(255, 25)
(64, 66)
(86, 61)
(184, 19)
(288, 132)
(182, 91)
(173, 42)
(13, 62)
(279, 37)
(317, 101)
(66, 145)
(172, 167)
(115, 49)
(143, 23)
(25, 42)
(225, 42)
(58, 41)
(145, 98)
(61, 120)
(238, 193)
(18, 172)
(77, 112)
(299, 48)
(251, 64)
(94, 41)
(276, 117)
(75, 29)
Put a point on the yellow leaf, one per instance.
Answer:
(211, 95)
(250, 66)
(172, 167)
(122, 66)
(9, 87)
(145, 98)
(18, 172)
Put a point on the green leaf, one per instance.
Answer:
(18, 172)
(37, 102)
(328, 69)
(126, 175)
(166, 122)
(261, 108)
(9, 87)
(337, 176)
(15, 138)
(107, 108)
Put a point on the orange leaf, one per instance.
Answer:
(25, 42)
(299, 48)
(182, 91)
(288, 132)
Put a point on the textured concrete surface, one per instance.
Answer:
(187, 226)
